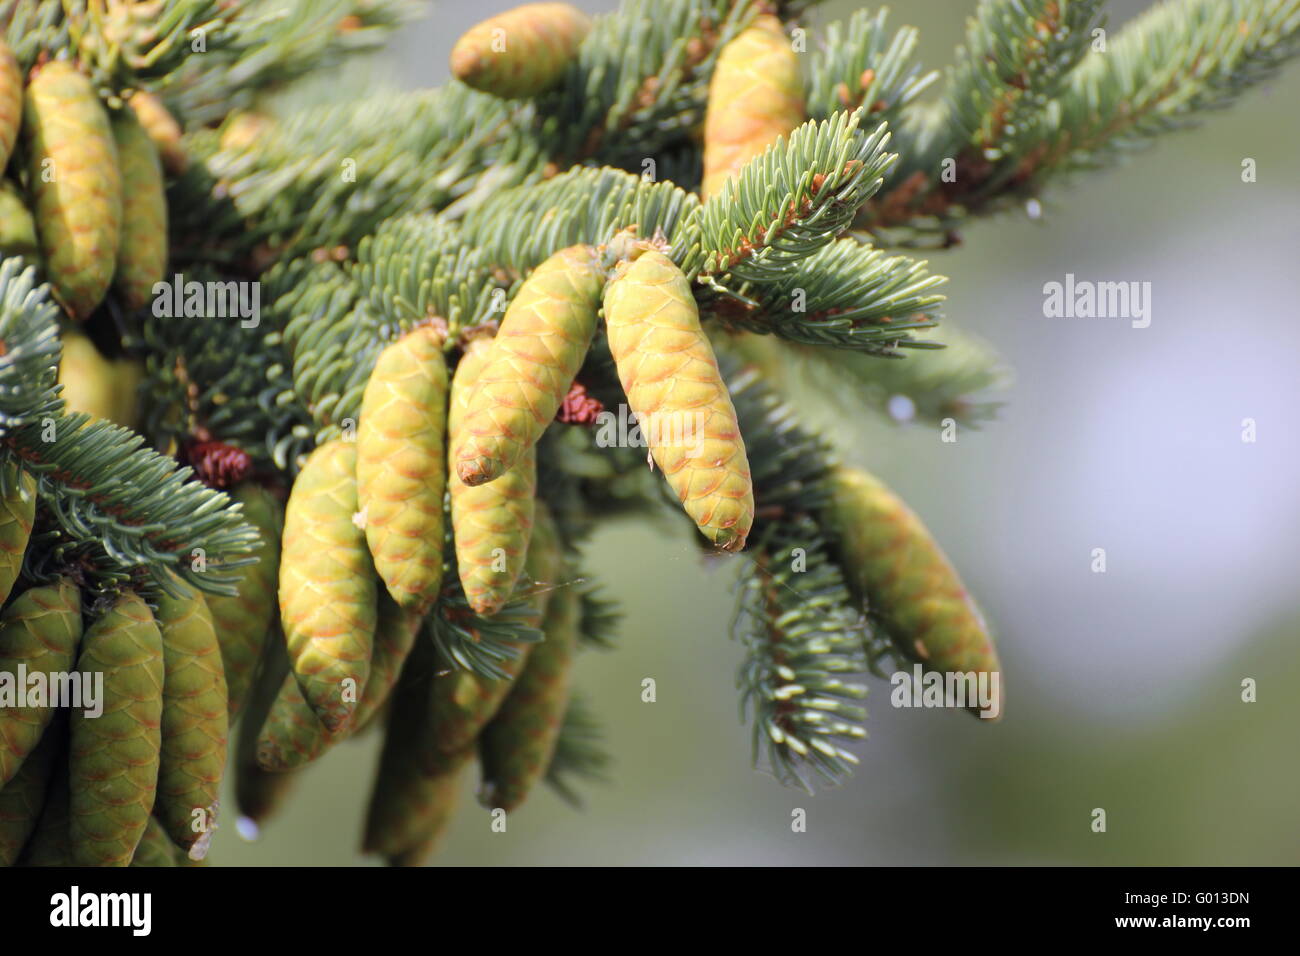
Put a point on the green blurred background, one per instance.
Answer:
(1124, 688)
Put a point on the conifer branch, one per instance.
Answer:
(862, 66)
(846, 295)
(791, 201)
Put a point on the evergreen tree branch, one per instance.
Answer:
(861, 65)
(579, 752)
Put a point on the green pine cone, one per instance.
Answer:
(535, 355)
(142, 249)
(17, 227)
(113, 762)
(156, 847)
(17, 512)
(22, 797)
(39, 631)
(897, 570)
(461, 701)
(491, 523)
(194, 724)
(75, 184)
(413, 799)
(327, 586)
(395, 636)
(244, 620)
(522, 52)
(402, 467)
(11, 102)
(516, 747)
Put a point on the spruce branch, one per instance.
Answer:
(1166, 68)
(29, 348)
(845, 295)
(803, 639)
(791, 201)
(519, 228)
(861, 65)
(145, 514)
(640, 79)
(417, 267)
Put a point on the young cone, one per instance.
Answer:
(163, 130)
(17, 513)
(414, 796)
(755, 96)
(401, 466)
(17, 227)
(522, 52)
(87, 378)
(492, 524)
(293, 737)
(75, 184)
(671, 377)
(142, 249)
(461, 702)
(39, 632)
(538, 350)
(896, 569)
(22, 797)
(11, 102)
(244, 619)
(113, 760)
(516, 747)
(327, 586)
(194, 724)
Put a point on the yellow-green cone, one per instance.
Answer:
(755, 96)
(142, 249)
(89, 380)
(162, 128)
(113, 759)
(17, 512)
(516, 747)
(682, 405)
(894, 566)
(413, 797)
(11, 102)
(522, 52)
(22, 798)
(461, 701)
(402, 468)
(17, 227)
(75, 184)
(194, 724)
(538, 350)
(491, 523)
(327, 586)
(39, 633)
(293, 737)
(244, 620)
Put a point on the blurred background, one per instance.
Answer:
(1124, 688)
